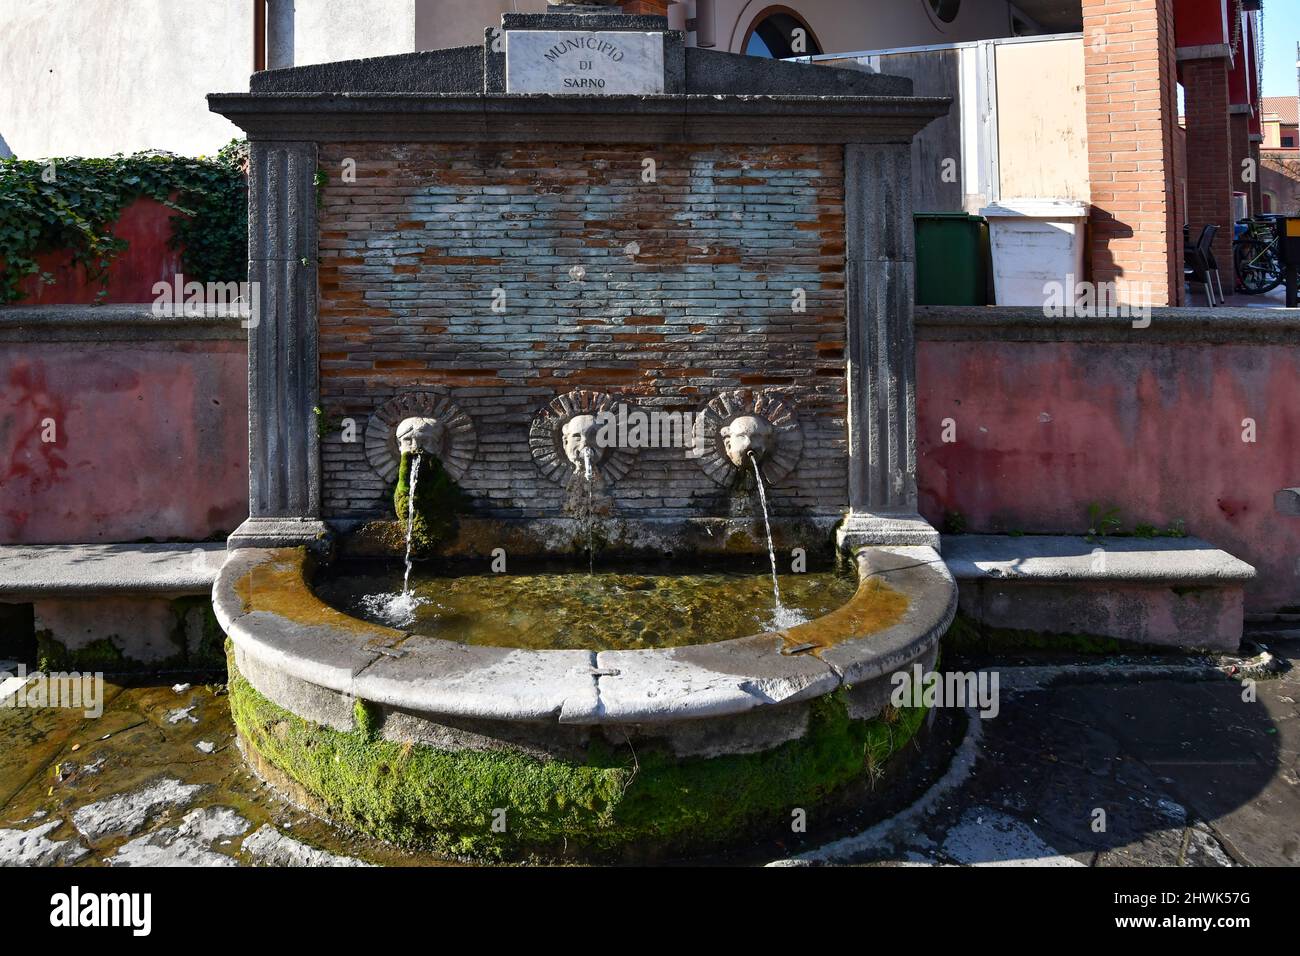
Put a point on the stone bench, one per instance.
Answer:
(1175, 592)
(110, 607)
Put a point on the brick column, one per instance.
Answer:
(1256, 188)
(1210, 177)
(655, 8)
(879, 274)
(283, 370)
(1239, 140)
(1132, 110)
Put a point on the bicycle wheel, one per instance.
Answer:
(1257, 267)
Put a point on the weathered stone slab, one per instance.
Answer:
(918, 573)
(29, 572)
(439, 677)
(584, 62)
(687, 683)
(1186, 561)
(1152, 613)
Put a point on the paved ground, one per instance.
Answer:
(1273, 299)
(1184, 771)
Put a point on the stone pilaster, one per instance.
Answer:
(881, 350)
(283, 374)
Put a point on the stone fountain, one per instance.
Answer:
(483, 260)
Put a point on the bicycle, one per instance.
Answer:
(1255, 256)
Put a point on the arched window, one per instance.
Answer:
(944, 10)
(779, 33)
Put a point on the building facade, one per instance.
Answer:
(1093, 119)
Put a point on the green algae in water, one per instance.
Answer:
(628, 607)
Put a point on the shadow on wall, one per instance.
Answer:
(5, 151)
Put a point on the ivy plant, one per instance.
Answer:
(74, 203)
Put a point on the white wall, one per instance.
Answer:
(843, 26)
(327, 30)
(447, 23)
(96, 77)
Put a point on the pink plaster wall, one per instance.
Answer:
(1045, 428)
(152, 441)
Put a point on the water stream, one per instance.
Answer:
(782, 616)
(398, 609)
(587, 474)
(410, 522)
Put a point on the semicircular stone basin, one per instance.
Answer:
(609, 751)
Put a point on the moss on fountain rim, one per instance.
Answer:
(618, 803)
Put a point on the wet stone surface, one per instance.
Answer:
(142, 786)
(1186, 772)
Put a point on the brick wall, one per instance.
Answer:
(1131, 95)
(658, 8)
(1210, 177)
(687, 291)
(1256, 188)
(1239, 132)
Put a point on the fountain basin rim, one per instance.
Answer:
(263, 601)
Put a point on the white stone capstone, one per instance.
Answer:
(584, 62)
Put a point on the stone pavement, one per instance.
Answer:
(1185, 772)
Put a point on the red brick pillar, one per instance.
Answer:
(657, 8)
(1239, 137)
(1210, 178)
(1256, 188)
(1132, 112)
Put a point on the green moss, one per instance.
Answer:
(616, 799)
(969, 636)
(367, 718)
(195, 613)
(196, 634)
(53, 655)
(439, 500)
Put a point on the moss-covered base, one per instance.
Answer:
(967, 636)
(195, 635)
(621, 803)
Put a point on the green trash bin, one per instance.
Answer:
(952, 258)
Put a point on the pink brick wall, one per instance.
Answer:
(151, 441)
(1045, 428)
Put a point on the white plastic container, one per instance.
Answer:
(1035, 243)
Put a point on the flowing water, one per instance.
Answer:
(782, 616)
(410, 521)
(398, 608)
(587, 455)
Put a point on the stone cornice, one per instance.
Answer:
(115, 323)
(455, 117)
(1221, 326)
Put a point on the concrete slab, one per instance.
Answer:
(33, 572)
(1174, 592)
(1185, 561)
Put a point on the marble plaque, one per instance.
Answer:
(584, 63)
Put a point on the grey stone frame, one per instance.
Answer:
(876, 133)
(284, 494)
